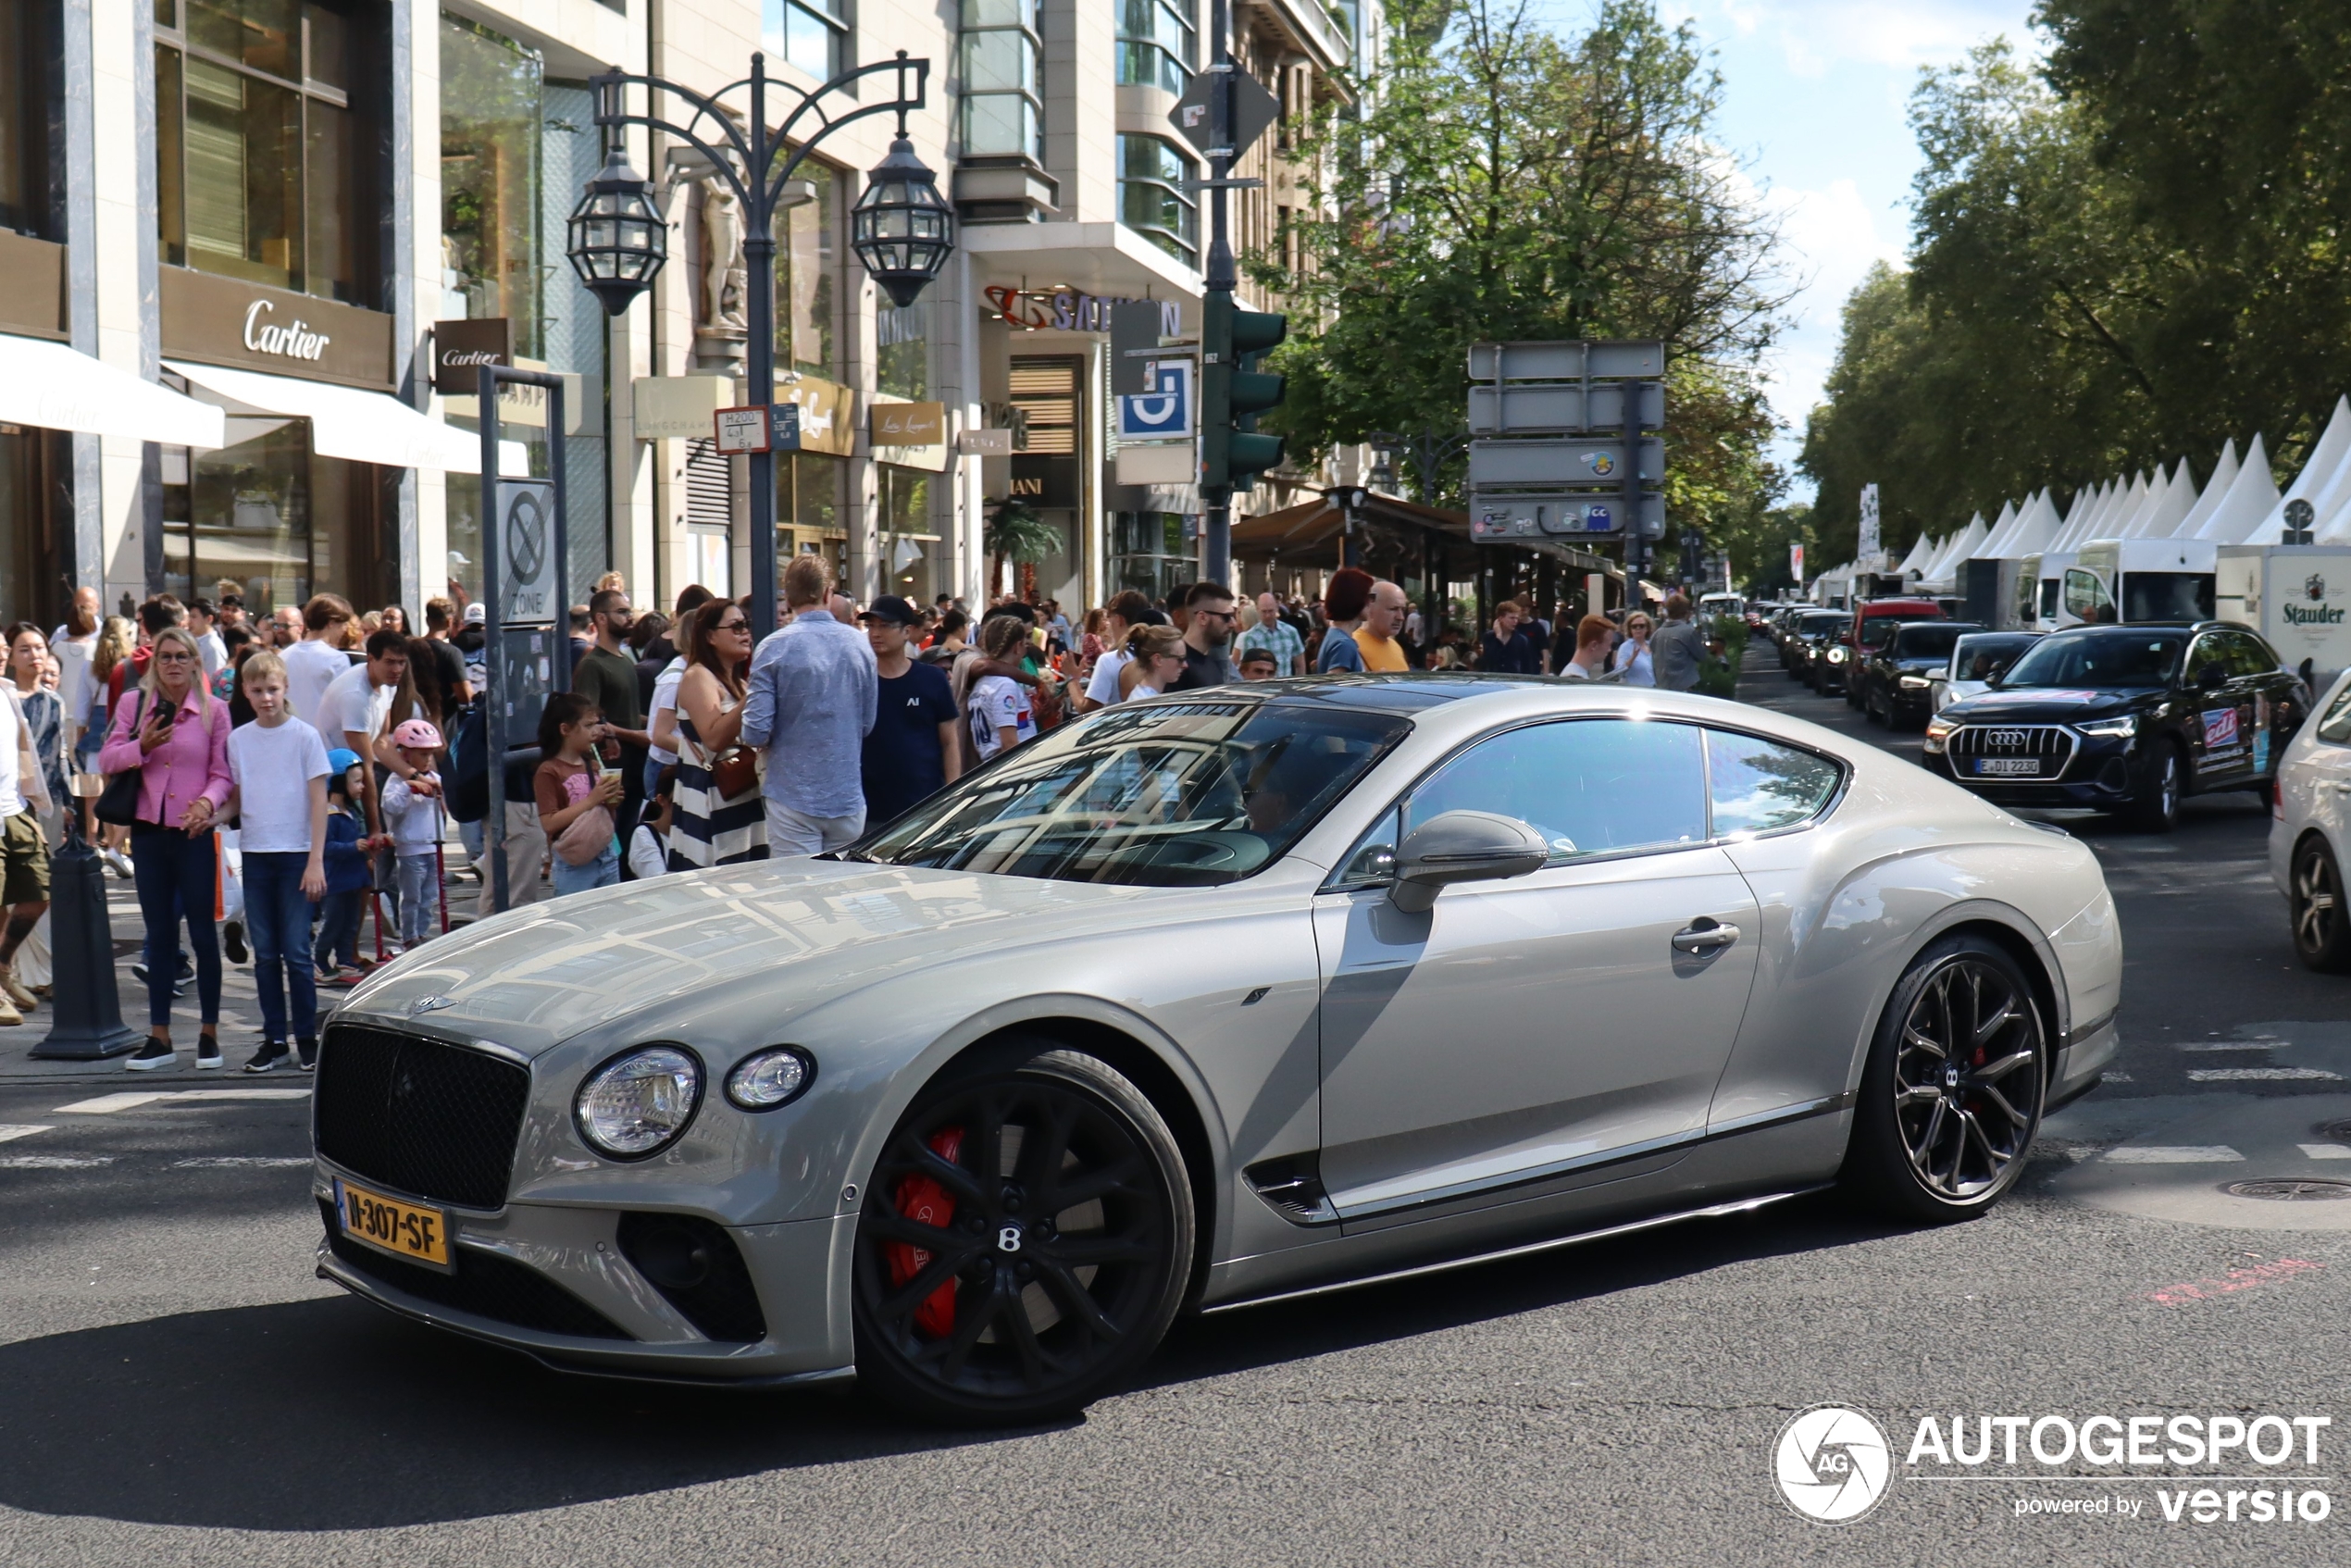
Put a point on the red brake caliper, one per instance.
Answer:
(926, 1203)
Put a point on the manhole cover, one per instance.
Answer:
(2290, 1192)
(2338, 1132)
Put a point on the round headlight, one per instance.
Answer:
(637, 1105)
(769, 1078)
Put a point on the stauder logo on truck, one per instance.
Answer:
(2318, 612)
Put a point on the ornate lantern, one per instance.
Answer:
(901, 228)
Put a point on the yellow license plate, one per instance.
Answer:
(404, 1229)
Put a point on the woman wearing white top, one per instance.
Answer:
(1633, 660)
(1155, 662)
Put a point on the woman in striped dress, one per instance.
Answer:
(707, 829)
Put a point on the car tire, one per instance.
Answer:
(1951, 1094)
(1878, 714)
(1028, 1315)
(2321, 921)
(2155, 807)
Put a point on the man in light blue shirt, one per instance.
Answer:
(1277, 637)
(811, 703)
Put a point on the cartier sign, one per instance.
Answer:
(219, 320)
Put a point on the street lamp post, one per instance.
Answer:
(901, 229)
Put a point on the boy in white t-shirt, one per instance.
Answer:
(279, 764)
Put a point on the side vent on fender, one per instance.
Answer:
(1292, 1188)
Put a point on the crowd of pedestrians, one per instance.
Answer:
(270, 783)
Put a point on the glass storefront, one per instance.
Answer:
(807, 286)
(907, 562)
(269, 141)
(901, 340)
(493, 92)
(1150, 552)
(35, 578)
(268, 518)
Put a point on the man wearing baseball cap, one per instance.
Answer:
(912, 751)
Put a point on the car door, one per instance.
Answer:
(2316, 790)
(2272, 699)
(2220, 722)
(1522, 1030)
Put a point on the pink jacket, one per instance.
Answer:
(193, 761)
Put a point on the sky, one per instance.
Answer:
(1815, 93)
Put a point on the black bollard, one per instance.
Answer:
(86, 1008)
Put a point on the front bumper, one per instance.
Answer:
(2102, 775)
(552, 1281)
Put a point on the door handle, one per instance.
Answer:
(1704, 935)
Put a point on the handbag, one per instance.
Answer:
(587, 835)
(735, 771)
(118, 801)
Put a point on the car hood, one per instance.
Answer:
(2050, 705)
(536, 975)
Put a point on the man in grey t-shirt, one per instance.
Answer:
(1679, 649)
(810, 708)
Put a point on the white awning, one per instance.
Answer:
(365, 427)
(58, 387)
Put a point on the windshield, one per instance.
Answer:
(1164, 795)
(2098, 663)
(2167, 596)
(1925, 641)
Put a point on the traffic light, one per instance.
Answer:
(1234, 392)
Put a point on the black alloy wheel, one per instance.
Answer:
(2321, 925)
(1024, 1242)
(1951, 1097)
(2155, 808)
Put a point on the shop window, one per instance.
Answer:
(29, 45)
(1151, 198)
(998, 57)
(269, 145)
(1044, 390)
(807, 283)
(812, 35)
(901, 341)
(493, 92)
(269, 520)
(1158, 42)
(35, 521)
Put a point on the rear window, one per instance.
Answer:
(1926, 641)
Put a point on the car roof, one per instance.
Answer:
(1408, 693)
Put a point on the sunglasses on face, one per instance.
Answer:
(175, 658)
(732, 626)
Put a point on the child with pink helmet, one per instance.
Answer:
(411, 808)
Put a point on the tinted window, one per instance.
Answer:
(2098, 663)
(2167, 596)
(2247, 655)
(2210, 649)
(2336, 726)
(1169, 794)
(1978, 656)
(1876, 629)
(1589, 786)
(2085, 596)
(1926, 641)
(1758, 785)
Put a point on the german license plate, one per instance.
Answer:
(2007, 768)
(406, 1230)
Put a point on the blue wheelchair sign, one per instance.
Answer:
(1165, 413)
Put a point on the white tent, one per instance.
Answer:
(2031, 533)
(2136, 502)
(2002, 526)
(1932, 569)
(2252, 498)
(2086, 505)
(1922, 549)
(1946, 569)
(2168, 505)
(2316, 479)
(2216, 490)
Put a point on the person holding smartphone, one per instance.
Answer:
(176, 738)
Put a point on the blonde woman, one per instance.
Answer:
(175, 737)
(1155, 662)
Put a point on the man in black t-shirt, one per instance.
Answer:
(915, 748)
(441, 617)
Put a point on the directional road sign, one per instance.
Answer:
(1559, 516)
(1544, 407)
(1254, 109)
(1570, 360)
(1165, 413)
(1562, 461)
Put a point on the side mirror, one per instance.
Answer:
(1462, 846)
(2211, 676)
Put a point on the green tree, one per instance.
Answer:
(1508, 182)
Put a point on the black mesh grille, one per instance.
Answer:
(695, 1264)
(421, 1118)
(482, 1284)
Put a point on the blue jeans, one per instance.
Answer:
(174, 871)
(278, 917)
(419, 878)
(602, 872)
(339, 929)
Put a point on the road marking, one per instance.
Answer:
(2261, 1075)
(216, 1161)
(2227, 1044)
(9, 1130)
(2235, 1279)
(2174, 1154)
(2326, 1151)
(52, 1162)
(107, 1104)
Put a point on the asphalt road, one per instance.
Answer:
(175, 1388)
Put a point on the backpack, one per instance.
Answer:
(468, 781)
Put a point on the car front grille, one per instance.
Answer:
(423, 1117)
(480, 1284)
(2053, 743)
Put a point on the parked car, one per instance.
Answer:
(2125, 719)
(1815, 635)
(1871, 625)
(2310, 833)
(1893, 681)
(1975, 659)
(1207, 1000)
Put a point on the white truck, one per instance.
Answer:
(2138, 580)
(2296, 596)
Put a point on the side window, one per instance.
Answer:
(1759, 785)
(1589, 786)
(1372, 862)
(2335, 728)
(2248, 656)
(2206, 650)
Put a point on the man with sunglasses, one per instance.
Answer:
(1207, 634)
(607, 676)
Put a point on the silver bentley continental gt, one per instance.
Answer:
(1204, 1001)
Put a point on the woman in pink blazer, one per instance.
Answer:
(177, 737)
